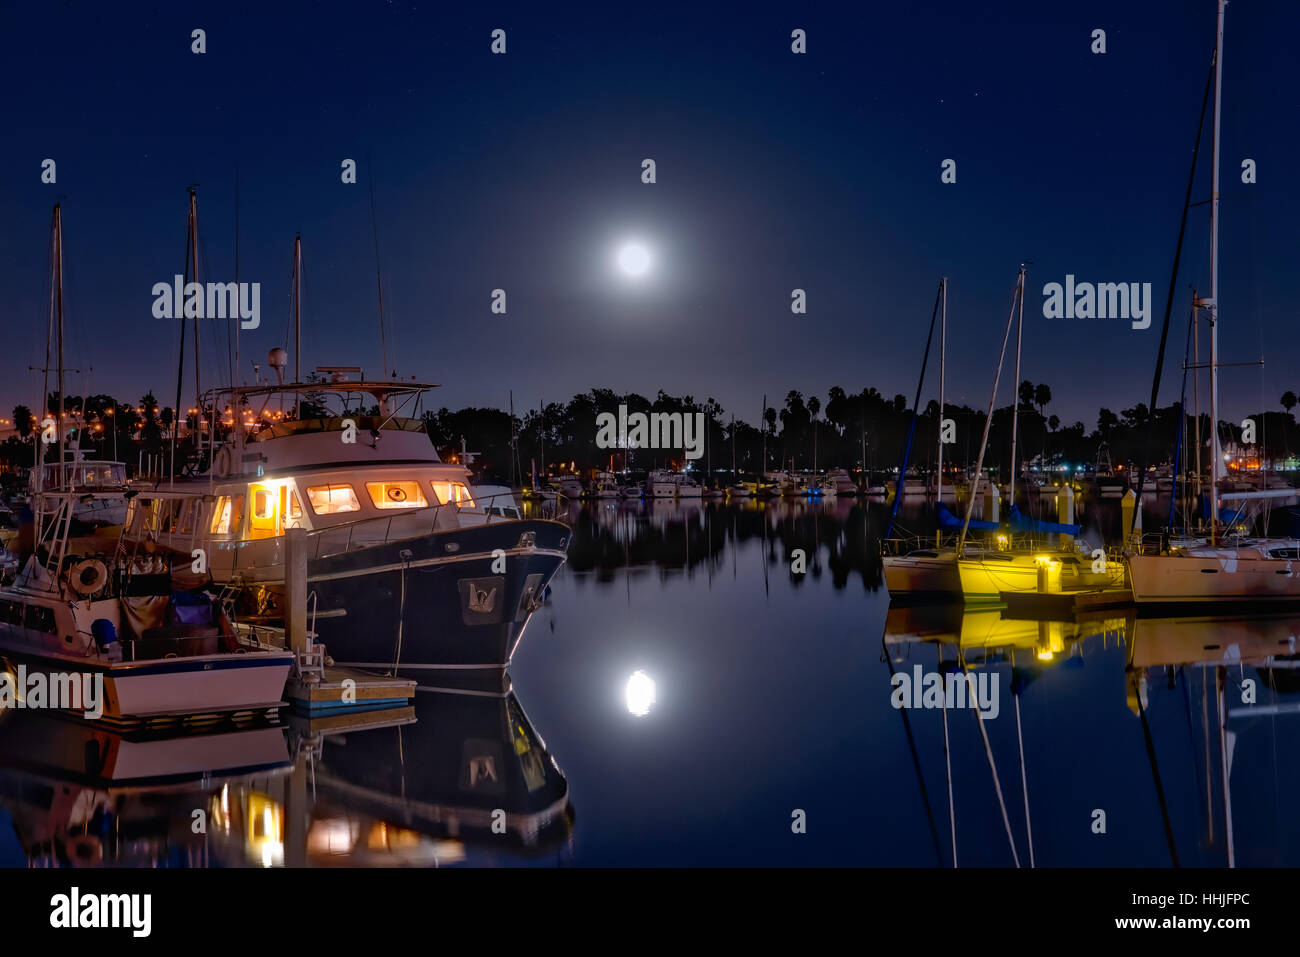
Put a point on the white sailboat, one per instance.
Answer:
(1239, 571)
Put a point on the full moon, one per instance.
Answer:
(640, 694)
(634, 259)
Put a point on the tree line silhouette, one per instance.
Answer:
(865, 430)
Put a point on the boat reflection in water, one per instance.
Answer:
(73, 794)
(1206, 693)
(464, 777)
(454, 778)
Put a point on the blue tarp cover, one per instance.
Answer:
(1023, 524)
(948, 520)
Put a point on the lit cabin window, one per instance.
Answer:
(187, 517)
(170, 514)
(396, 494)
(293, 517)
(226, 516)
(275, 507)
(330, 499)
(453, 493)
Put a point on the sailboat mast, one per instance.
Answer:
(1196, 389)
(1216, 457)
(194, 271)
(1015, 390)
(988, 422)
(58, 271)
(297, 321)
(943, 355)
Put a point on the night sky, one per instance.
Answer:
(774, 171)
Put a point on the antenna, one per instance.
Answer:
(379, 284)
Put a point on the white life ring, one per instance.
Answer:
(88, 576)
(224, 463)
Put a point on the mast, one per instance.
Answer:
(1216, 457)
(514, 442)
(733, 447)
(379, 282)
(988, 421)
(1015, 391)
(297, 321)
(762, 425)
(943, 351)
(58, 275)
(708, 453)
(194, 269)
(1196, 390)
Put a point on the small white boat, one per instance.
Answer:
(606, 486)
(106, 480)
(842, 481)
(494, 500)
(71, 622)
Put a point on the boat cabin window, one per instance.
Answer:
(275, 507)
(145, 517)
(396, 494)
(11, 613)
(39, 618)
(227, 514)
(453, 493)
(332, 499)
(188, 510)
(170, 513)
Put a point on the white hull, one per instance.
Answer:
(199, 684)
(1225, 577)
(922, 573)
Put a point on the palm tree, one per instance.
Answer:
(1026, 393)
(1042, 396)
(24, 421)
(1288, 400)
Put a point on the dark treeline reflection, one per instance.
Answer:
(839, 539)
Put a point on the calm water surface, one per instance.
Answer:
(771, 695)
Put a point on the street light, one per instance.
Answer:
(114, 426)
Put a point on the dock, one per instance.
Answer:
(316, 685)
(341, 689)
(1066, 603)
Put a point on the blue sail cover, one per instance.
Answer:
(948, 520)
(1227, 514)
(1022, 524)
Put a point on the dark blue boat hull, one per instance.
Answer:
(458, 600)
